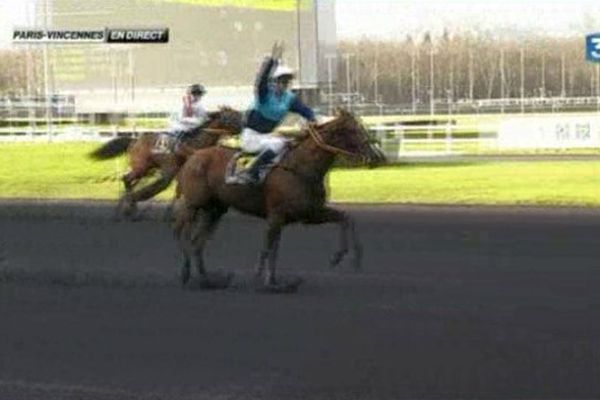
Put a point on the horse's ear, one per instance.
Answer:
(343, 112)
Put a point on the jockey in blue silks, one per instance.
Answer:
(273, 100)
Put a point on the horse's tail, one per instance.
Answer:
(112, 148)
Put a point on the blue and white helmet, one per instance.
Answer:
(283, 70)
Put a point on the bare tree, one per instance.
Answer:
(467, 65)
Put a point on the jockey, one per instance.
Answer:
(191, 115)
(273, 100)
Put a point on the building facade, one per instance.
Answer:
(219, 43)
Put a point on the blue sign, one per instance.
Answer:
(592, 47)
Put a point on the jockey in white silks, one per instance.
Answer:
(273, 100)
(190, 115)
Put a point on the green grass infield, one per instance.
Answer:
(63, 171)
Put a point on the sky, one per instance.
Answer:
(12, 13)
(394, 19)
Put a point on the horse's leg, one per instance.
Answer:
(127, 181)
(168, 173)
(347, 231)
(260, 263)
(131, 178)
(263, 255)
(140, 165)
(186, 262)
(271, 283)
(150, 190)
(171, 206)
(205, 226)
(270, 248)
(201, 233)
(154, 188)
(182, 231)
(126, 204)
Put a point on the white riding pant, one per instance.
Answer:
(254, 142)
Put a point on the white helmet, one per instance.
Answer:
(283, 70)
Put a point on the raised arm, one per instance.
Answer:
(262, 79)
(268, 65)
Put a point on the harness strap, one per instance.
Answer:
(219, 130)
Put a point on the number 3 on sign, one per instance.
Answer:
(592, 46)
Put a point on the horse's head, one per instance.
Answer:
(347, 135)
(223, 122)
(225, 119)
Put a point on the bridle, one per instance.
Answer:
(219, 131)
(318, 139)
(327, 147)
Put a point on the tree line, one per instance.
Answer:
(464, 68)
(16, 66)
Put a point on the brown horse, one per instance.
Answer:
(294, 191)
(145, 160)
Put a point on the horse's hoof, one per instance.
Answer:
(131, 213)
(212, 281)
(185, 278)
(336, 258)
(283, 286)
(168, 217)
(129, 210)
(357, 259)
(136, 217)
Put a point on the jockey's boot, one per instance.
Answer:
(177, 140)
(263, 158)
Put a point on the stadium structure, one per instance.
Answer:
(219, 43)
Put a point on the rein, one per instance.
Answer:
(321, 144)
(219, 130)
(332, 149)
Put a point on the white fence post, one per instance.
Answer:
(401, 139)
(448, 137)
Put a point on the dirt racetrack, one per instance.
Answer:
(453, 302)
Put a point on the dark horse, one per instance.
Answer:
(294, 191)
(144, 159)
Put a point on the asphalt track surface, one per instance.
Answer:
(453, 302)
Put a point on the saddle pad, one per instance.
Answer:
(231, 142)
(237, 166)
(241, 162)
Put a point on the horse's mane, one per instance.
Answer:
(215, 115)
(223, 109)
